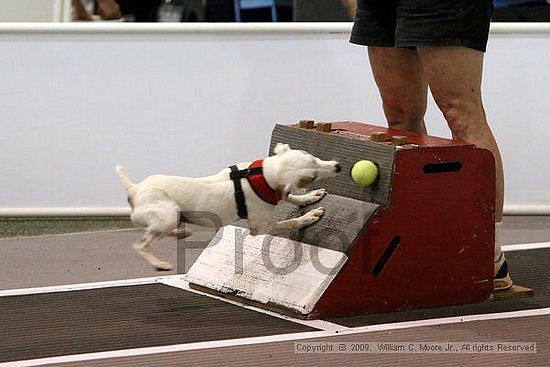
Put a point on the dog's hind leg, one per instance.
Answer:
(180, 233)
(144, 249)
(160, 220)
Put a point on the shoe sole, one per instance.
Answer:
(503, 284)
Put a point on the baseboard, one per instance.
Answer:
(512, 210)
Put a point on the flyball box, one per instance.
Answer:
(422, 235)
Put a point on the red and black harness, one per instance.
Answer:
(254, 176)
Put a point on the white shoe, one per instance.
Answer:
(502, 280)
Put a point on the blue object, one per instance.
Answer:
(505, 3)
(255, 4)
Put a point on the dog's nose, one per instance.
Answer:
(338, 167)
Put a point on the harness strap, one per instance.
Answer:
(254, 175)
(259, 184)
(236, 176)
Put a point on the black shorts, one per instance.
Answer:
(416, 23)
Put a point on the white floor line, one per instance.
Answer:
(83, 286)
(275, 338)
(455, 320)
(317, 324)
(526, 246)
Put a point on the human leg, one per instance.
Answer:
(403, 88)
(454, 76)
(435, 28)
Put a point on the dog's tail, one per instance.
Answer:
(126, 182)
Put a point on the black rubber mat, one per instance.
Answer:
(524, 329)
(529, 268)
(64, 323)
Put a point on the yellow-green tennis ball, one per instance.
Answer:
(364, 173)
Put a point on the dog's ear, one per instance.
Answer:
(304, 181)
(284, 192)
(281, 148)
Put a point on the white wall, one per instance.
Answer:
(75, 101)
(35, 10)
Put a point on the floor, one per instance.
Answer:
(102, 324)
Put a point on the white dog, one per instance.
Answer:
(156, 201)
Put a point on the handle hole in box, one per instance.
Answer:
(442, 167)
(381, 263)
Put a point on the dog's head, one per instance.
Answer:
(297, 168)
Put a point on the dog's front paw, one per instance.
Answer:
(318, 212)
(318, 194)
(313, 196)
(313, 216)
